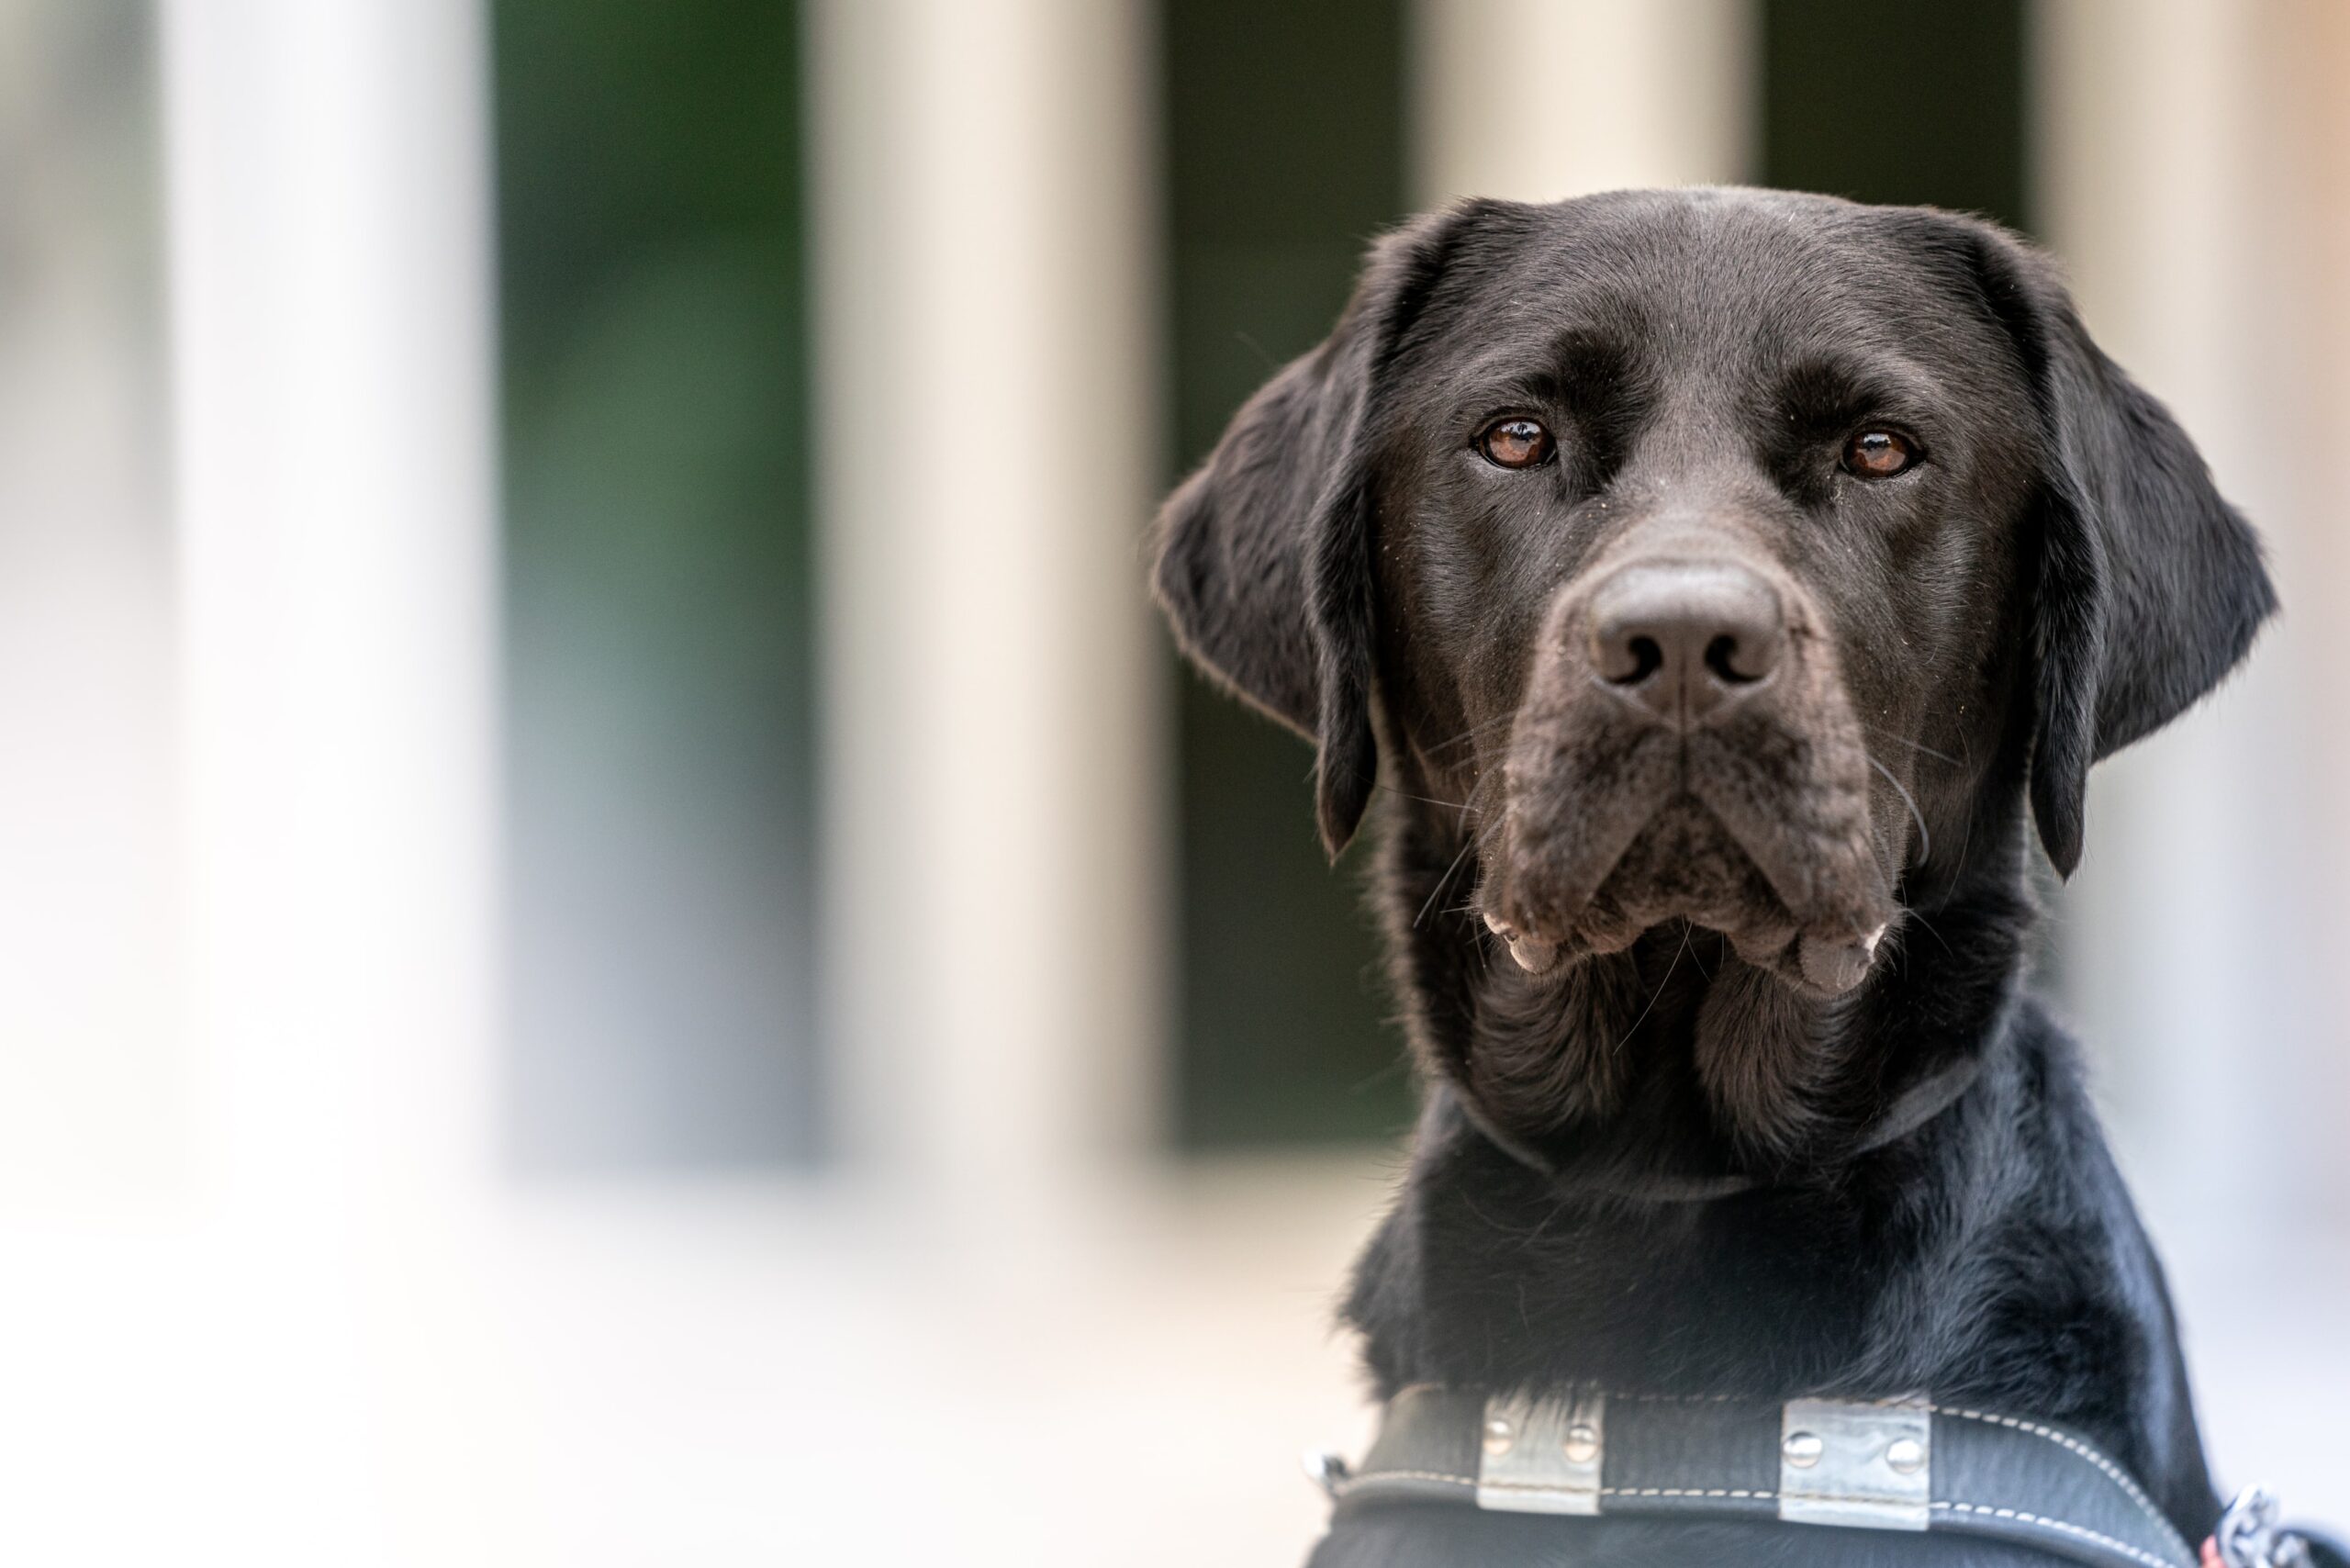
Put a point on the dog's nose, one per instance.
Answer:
(1683, 639)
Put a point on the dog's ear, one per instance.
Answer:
(2150, 585)
(1264, 553)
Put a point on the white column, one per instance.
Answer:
(987, 441)
(1536, 100)
(2197, 950)
(331, 314)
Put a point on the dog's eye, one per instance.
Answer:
(1516, 443)
(1879, 454)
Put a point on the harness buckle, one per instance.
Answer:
(2248, 1535)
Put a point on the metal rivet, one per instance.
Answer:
(1802, 1449)
(1499, 1435)
(1583, 1443)
(1905, 1455)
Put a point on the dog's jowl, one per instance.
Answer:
(1718, 595)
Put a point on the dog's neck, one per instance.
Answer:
(1675, 1059)
(1848, 1265)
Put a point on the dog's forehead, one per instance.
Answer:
(1706, 282)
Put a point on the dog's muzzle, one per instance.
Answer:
(1684, 749)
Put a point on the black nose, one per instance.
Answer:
(1686, 638)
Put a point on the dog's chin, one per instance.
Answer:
(1686, 866)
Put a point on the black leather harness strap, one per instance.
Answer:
(1897, 1465)
(1885, 1465)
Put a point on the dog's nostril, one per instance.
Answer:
(1721, 657)
(1681, 638)
(1644, 658)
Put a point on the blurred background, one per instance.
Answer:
(620, 939)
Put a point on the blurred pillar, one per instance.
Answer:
(330, 319)
(986, 451)
(1536, 100)
(2181, 181)
(330, 311)
(90, 1048)
(2305, 181)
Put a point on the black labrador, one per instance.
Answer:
(1716, 579)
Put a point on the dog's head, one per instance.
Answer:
(1725, 558)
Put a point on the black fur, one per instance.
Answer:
(1264, 553)
(2151, 586)
(2057, 578)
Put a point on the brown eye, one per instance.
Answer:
(1516, 443)
(1879, 454)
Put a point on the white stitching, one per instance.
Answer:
(2018, 1515)
(2067, 1442)
(2049, 1434)
(1351, 1481)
